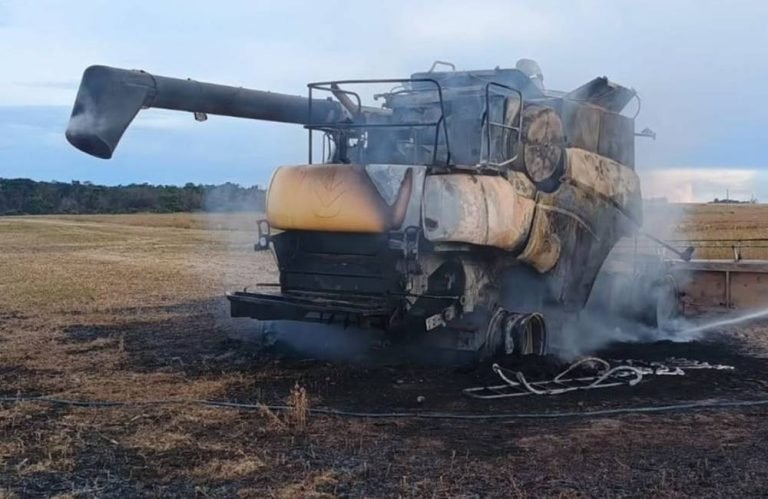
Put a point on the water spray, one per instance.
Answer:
(728, 322)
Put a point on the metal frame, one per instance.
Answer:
(735, 245)
(487, 123)
(327, 86)
(729, 281)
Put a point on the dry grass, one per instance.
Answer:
(309, 487)
(200, 221)
(299, 403)
(128, 308)
(235, 469)
(714, 228)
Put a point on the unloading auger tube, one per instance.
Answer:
(455, 212)
(109, 99)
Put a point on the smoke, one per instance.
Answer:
(85, 119)
(327, 342)
(226, 260)
(632, 299)
(84, 122)
(595, 331)
(623, 302)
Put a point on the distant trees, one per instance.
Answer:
(752, 200)
(28, 197)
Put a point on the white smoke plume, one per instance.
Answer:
(623, 303)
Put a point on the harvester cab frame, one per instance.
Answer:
(366, 128)
(358, 126)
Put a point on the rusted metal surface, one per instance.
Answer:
(475, 209)
(703, 284)
(741, 266)
(709, 284)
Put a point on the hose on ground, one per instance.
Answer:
(326, 411)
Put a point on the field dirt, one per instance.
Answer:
(129, 308)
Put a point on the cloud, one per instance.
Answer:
(454, 21)
(70, 85)
(692, 185)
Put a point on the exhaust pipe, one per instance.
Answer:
(109, 99)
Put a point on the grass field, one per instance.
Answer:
(712, 228)
(128, 307)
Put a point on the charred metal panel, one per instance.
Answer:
(598, 130)
(617, 138)
(604, 93)
(575, 227)
(337, 263)
(298, 306)
(475, 209)
(543, 248)
(583, 227)
(581, 125)
(607, 178)
(542, 137)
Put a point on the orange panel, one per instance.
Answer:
(333, 198)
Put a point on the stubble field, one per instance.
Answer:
(129, 308)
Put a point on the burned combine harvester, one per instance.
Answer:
(462, 211)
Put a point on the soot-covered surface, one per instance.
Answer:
(407, 387)
(187, 450)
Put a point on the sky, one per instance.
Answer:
(699, 67)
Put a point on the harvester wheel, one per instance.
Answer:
(514, 334)
(494, 333)
(525, 334)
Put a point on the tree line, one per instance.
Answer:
(29, 197)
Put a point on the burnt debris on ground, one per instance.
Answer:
(165, 346)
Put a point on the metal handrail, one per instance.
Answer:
(327, 86)
(487, 123)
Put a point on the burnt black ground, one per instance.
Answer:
(687, 454)
(353, 387)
